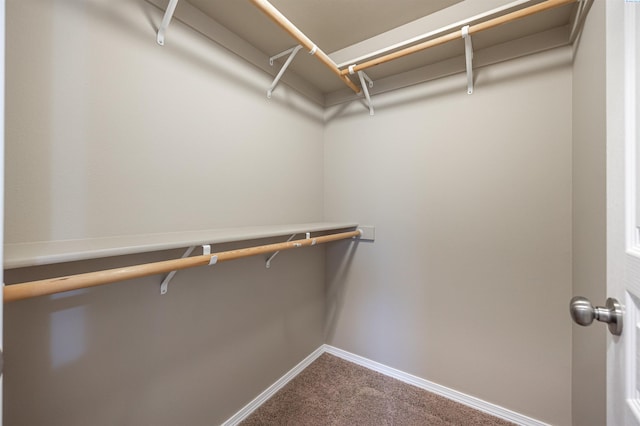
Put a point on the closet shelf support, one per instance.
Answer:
(270, 258)
(281, 54)
(468, 54)
(168, 14)
(292, 54)
(365, 89)
(206, 249)
(578, 21)
(164, 287)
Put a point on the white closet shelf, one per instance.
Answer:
(19, 255)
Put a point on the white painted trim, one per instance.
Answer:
(459, 397)
(271, 390)
(630, 134)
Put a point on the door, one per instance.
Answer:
(2, 40)
(623, 208)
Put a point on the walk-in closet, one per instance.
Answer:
(207, 200)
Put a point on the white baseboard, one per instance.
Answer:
(435, 388)
(271, 390)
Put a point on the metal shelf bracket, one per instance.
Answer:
(579, 17)
(365, 88)
(468, 53)
(168, 14)
(292, 54)
(164, 287)
(270, 258)
(206, 249)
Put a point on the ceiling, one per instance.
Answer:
(331, 24)
(334, 25)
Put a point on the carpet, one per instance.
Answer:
(332, 391)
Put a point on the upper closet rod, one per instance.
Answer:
(294, 32)
(435, 33)
(74, 282)
(491, 23)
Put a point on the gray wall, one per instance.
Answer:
(110, 134)
(589, 217)
(100, 117)
(468, 281)
(125, 355)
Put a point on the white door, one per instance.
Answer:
(623, 208)
(2, 39)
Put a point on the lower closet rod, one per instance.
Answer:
(30, 289)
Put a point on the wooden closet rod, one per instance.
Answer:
(282, 21)
(31, 289)
(491, 23)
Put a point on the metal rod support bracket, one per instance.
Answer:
(206, 250)
(281, 54)
(468, 53)
(365, 89)
(270, 258)
(292, 54)
(168, 14)
(164, 287)
(578, 21)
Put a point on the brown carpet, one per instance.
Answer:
(332, 391)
